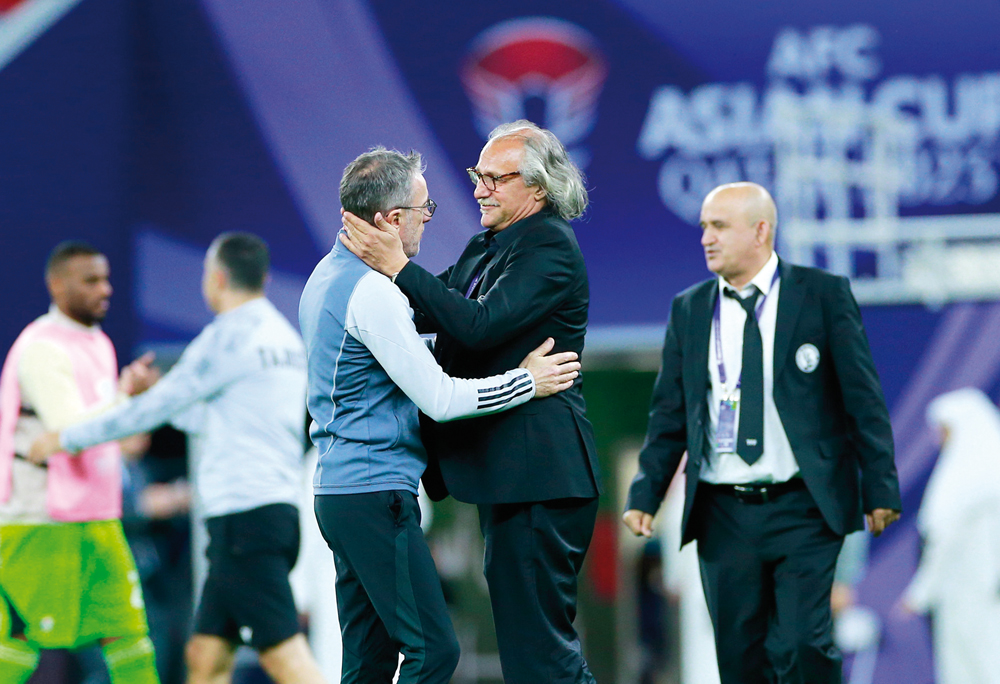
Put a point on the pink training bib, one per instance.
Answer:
(87, 486)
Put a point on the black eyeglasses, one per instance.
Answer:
(490, 182)
(428, 207)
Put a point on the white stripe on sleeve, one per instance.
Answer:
(378, 316)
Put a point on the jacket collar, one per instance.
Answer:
(763, 280)
(506, 236)
(702, 305)
(790, 301)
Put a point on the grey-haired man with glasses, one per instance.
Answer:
(532, 471)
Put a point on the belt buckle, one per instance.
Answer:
(750, 494)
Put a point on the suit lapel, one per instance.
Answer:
(490, 273)
(790, 300)
(696, 359)
(702, 306)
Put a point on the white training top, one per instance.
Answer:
(240, 387)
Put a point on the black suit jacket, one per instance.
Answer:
(533, 288)
(835, 416)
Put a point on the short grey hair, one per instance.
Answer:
(546, 164)
(379, 180)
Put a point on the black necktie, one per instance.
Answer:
(750, 441)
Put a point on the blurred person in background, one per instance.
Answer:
(154, 518)
(849, 573)
(857, 628)
(240, 386)
(369, 374)
(698, 663)
(767, 382)
(312, 579)
(653, 609)
(958, 579)
(532, 472)
(67, 577)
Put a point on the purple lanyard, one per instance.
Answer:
(717, 322)
(491, 250)
(475, 281)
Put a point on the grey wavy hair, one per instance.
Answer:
(379, 180)
(547, 165)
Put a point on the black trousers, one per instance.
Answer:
(534, 552)
(767, 570)
(389, 595)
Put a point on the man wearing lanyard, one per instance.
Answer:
(768, 383)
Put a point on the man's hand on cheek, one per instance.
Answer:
(379, 246)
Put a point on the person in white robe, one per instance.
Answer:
(958, 579)
(683, 578)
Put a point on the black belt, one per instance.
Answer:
(758, 493)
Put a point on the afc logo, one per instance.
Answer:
(539, 68)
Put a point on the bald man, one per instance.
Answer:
(768, 384)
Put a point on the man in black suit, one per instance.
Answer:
(533, 470)
(770, 387)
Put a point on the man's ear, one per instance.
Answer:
(394, 217)
(56, 287)
(539, 193)
(763, 231)
(221, 276)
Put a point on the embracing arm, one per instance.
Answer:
(540, 271)
(377, 317)
(424, 325)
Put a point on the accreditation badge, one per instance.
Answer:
(725, 431)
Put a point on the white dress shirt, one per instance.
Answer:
(777, 464)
